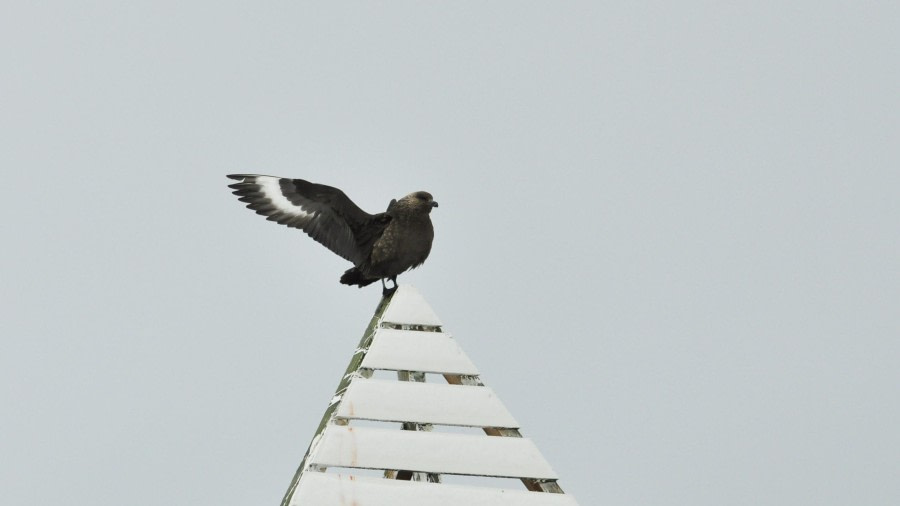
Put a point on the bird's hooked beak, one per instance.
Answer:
(434, 203)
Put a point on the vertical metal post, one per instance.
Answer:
(427, 427)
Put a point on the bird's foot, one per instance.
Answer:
(385, 291)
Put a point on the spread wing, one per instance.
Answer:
(325, 213)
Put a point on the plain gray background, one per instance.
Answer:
(668, 236)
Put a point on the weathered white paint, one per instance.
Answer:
(400, 401)
(326, 489)
(431, 452)
(423, 406)
(408, 350)
(408, 307)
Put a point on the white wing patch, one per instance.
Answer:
(287, 205)
(271, 188)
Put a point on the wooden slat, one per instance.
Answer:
(398, 401)
(326, 489)
(431, 452)
(407, 350)
(408, 307)
(534, 485)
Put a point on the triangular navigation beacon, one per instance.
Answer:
(382, 441)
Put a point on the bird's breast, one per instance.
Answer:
(403, 245)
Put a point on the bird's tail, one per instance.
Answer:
(355, 276)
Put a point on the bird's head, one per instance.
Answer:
(421, 202)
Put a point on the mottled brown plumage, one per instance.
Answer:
(381, 246)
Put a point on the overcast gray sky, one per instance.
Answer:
(668, 236)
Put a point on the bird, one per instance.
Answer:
(380, 246)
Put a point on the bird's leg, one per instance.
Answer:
(385, 291)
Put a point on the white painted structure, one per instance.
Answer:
(334, 489)
(404, 429)
(408, 350)
(401, 401)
